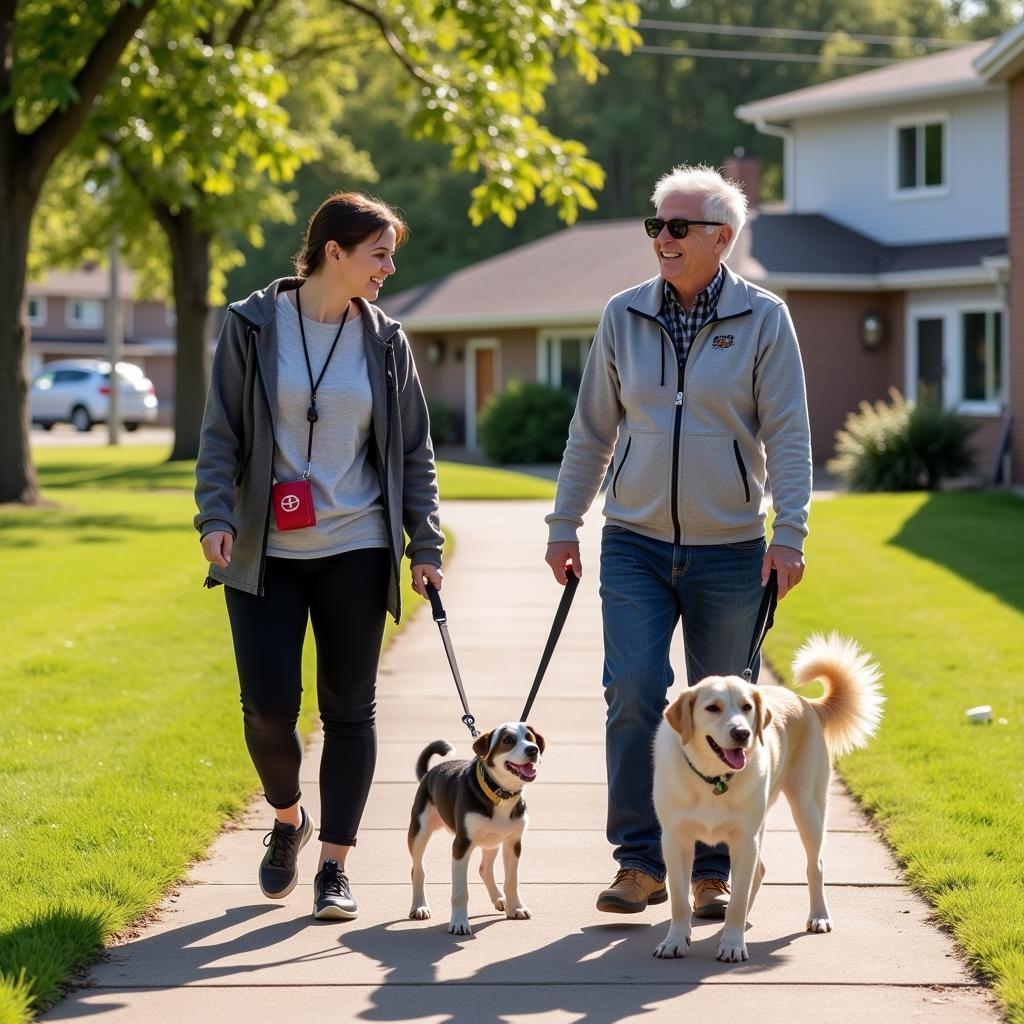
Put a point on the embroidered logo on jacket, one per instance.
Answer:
(723, 341)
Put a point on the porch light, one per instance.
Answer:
(435, 351)
(872, 330)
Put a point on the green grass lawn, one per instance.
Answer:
(141, 467)
(933, 586)
(121, 746)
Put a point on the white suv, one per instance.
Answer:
(77, 391)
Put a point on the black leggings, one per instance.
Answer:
(345, 596)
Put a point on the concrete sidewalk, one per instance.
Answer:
(218, 950)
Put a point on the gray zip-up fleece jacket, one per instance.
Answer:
(691, 449)
(236, 453)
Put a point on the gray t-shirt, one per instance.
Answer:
(346, 491)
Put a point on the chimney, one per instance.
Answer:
(746, 172)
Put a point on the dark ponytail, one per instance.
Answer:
(347, 218)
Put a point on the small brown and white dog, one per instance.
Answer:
(725, 751)
(481, 802)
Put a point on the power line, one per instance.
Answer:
(793, 58)
(792, 33)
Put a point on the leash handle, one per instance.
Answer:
(765, 621)
(572, 581)
(435, 603)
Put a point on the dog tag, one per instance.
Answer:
(720, 787)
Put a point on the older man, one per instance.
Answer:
(694, 392)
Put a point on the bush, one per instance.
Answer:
(444, 428)
(902, 446)
(526, 423)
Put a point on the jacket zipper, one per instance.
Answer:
(390, 375)
(743, 469)
(625, 455)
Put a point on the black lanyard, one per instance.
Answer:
(311, 414)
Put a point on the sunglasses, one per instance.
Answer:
(677, 226)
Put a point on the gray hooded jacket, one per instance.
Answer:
(234, 471)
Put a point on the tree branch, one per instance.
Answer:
(311, 50)
(237, 31)
(397, 48)
(46, 142)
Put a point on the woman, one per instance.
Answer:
(314, 401)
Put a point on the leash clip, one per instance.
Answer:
(470, 723)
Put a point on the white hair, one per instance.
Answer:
(723, 199)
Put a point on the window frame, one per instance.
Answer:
(919, 121)
(551, 338)
(82, 325)
(39, 320)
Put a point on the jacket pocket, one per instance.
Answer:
(743, 469)
(615, 478)
(714, 486)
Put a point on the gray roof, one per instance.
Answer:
(939, 74)
(566, 278)
(1005, 58)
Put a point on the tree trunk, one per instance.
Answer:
(17, 475)
(190, 255)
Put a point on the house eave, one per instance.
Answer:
(498, 320)
(782, 113)
(1004, 58)
(899, 281)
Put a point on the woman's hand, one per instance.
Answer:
(561, 554)
(217, 547)
(424, 574)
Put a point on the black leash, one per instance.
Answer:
(442, 624)
(441, 618)
(765, 621)
(571, 583)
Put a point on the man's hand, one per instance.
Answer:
(788, 564)
(559, 554)
(217, 547)
(422, 574)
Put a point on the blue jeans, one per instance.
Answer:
(647, 586)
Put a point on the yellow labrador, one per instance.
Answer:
(724, 752)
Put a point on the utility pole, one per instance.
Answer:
(115, 340)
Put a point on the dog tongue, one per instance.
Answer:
(528, 770)
(736, 758)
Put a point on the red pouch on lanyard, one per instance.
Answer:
(293, 504)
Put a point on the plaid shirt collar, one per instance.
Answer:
(685, 323)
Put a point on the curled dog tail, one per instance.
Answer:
(851, 708)
(437, 747)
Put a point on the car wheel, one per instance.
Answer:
(131, 427)
(46, 426)
(80, 419)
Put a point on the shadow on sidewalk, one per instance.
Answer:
(596, 972)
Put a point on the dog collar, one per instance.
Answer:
(719, 782)
(491, 789)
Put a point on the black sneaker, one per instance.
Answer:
(332, 898)
(279, 871)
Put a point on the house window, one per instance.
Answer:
(982, 339)
(563, 359)
(36, 311)
(921, 156)
(85, 313)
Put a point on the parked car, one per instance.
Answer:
(77, 391)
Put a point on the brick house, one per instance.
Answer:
(891, 249)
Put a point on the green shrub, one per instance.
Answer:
(902, 446)
(526, 423)
(444, 428)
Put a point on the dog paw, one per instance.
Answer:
(732, 952)
(518, 914)
(819, 925)
(674, 947)
(419, 913)
(459, 928)
(499, 903)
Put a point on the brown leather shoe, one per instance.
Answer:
(710, 898)
(631, 892)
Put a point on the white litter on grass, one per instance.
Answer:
(982, 714)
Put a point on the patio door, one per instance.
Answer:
(930, 356)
